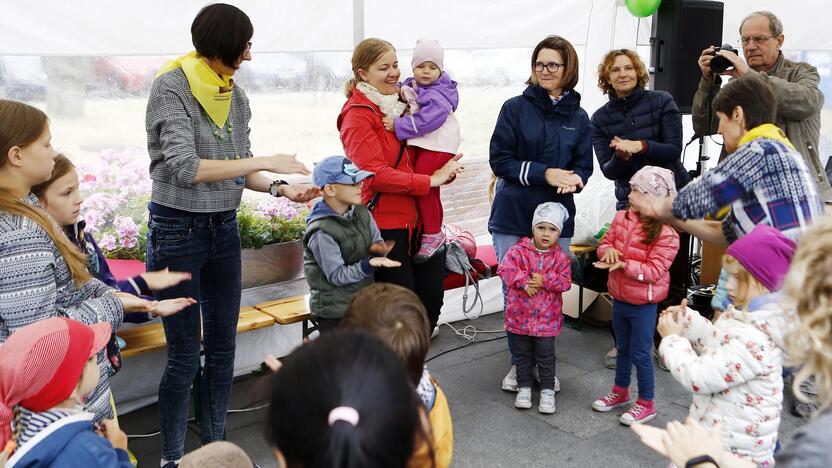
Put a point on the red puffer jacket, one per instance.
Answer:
(646, 278)
(374, 149)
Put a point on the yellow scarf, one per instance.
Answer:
(766, 131)
(211, 90)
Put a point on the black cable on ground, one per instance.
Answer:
(463, 346)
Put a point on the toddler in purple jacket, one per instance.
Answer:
(431, 127)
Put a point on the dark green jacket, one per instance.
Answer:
(343, 267)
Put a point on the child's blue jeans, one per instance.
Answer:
(634, 325)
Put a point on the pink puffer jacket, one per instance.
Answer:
(645, 279)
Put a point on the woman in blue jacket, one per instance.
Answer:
(541, 151)
(637, 128)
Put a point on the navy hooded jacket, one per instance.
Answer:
(533, 135)
(651, 116)
(70, 443)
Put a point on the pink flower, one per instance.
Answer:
(107, 242)
(127, 231)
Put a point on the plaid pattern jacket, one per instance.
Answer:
(180, 134)
(764, 181)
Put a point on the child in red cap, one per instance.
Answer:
(46, 368)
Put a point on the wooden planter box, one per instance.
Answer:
(274, 263)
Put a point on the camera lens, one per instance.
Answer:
(719, 63)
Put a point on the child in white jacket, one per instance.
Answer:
(733, 367)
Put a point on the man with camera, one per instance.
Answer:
(795, 84)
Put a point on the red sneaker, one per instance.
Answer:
(617, 397)
(641, 412)
(431, 243)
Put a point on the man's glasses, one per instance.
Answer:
(551, 66)
(755, 39)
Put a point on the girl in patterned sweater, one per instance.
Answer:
(733, 367)
(536, 272)
(42, 274)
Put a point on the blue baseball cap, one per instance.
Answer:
(338, 170)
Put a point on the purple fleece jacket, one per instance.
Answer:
(435, 103)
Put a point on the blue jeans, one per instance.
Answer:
(503, 242)
(208, 247)
(634, 325)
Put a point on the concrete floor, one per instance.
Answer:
(488, 430)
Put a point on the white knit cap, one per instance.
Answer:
(428, 50)
(552, 213)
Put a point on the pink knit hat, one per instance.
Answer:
(766, 253)
(654, 181)
(41, 363)
(428, 50)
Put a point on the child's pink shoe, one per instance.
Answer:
(641, 412)
(617, 397)
(431, 243)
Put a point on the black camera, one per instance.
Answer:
(719, 63)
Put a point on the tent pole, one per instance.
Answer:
(357, 21)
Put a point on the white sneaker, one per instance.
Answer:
(547, 402)
(510, 380)
(524, 398)
(435, 332)
(557, 385)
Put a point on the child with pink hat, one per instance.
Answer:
(733, 366)
(638, 252)
(46, 368)
(431, 127)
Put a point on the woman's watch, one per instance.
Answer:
(274, 185)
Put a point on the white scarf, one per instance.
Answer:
(388, 103)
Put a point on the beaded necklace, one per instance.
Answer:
(220, 135)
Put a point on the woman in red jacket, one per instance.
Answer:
(391, 194)
(638, 251)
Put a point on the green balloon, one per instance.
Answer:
(642, 8)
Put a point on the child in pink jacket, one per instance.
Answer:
(638, 252)
(536, 271)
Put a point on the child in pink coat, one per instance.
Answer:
(638, 252)
(536, 271)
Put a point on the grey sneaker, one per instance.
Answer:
(524, 398)
(547, 402)
(609, 361)
(510, 380)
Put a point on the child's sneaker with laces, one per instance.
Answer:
(617, 397)
(641, 412)
(524, 398)
(431, 243)
(510, 380)
(547, 402)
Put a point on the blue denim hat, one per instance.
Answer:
(338, 170)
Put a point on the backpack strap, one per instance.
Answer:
(374, 201)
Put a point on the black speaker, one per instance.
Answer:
(681, 30)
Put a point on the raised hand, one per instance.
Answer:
(284, 164)
(384, 262)
(163, 279)
(170, 307)
(299, 193)
(381, 249)
(132, 304)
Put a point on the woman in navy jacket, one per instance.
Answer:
(638, 128)
(541, 151)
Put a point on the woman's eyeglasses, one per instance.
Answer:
(551, 66)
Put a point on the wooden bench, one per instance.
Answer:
(146, 338)
(290, 310)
